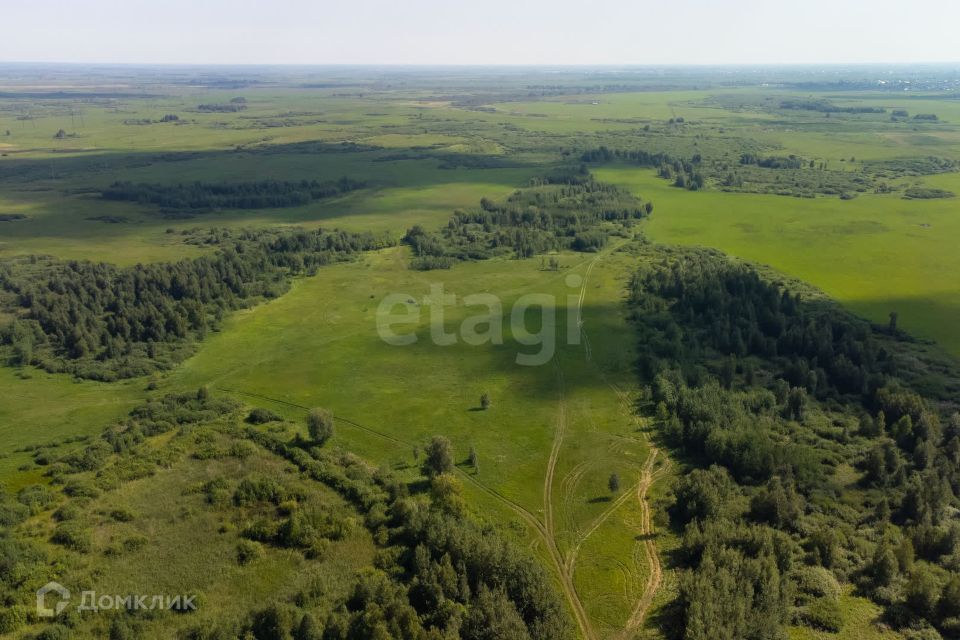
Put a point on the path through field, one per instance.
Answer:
(562, 529)
(645, 537)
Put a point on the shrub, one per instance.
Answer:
(76, 488)
(263, 416)
(248, 551)
(122, 515)
(54, 632)
(12, 513)
(817, 582)
(824, 614)
(242, 449)
(72, 536)
(69, 511)
(36, 497)
(258, 490)
(12, 619)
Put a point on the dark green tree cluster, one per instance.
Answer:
(565, 210)
(267, 194)
(825, 106)
(635, 156)
(729, 308)
(773, 162)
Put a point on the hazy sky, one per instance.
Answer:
(480, 32)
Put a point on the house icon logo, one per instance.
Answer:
(57, 590)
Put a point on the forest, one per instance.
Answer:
(239, 195)
(768, 397)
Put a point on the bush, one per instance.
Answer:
(69, 511)
(122, 515)
(248, 551)
(54, 632)
(37, 497)
(12, 619)
(76, 488)
(817, 582)
(258, 490)
(72, 536)
(263, 416)
(823, 614)
(12, 513)
(242, 449)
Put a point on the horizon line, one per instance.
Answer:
(481, 65)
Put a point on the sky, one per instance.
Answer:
(521, 32)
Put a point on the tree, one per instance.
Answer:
(320, 425)
(447, 494)
(493, 616)
(272, 623)
(120, 629)
(950, 598)
(308, 629)
(474, 460)
(796, 404)
(922, 592)
(439, 457)
(23, 350)
(614, 483)
(728, 372)
(485, 401)
(705, 493)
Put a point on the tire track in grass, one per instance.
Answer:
(646, 543)
(640, 490)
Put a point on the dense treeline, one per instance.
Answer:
(773, 162)
(685, 174)
(774, 402)
(825, 106)
(101, 321)
(564, 210)
(265, 194)
(635, 156)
